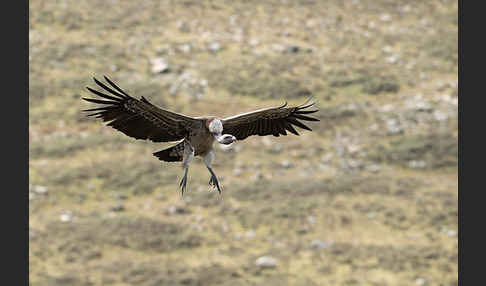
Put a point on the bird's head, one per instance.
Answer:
(215, 126)
(226, 139)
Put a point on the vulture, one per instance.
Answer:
(140, 119)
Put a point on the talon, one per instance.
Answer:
(183, 183)
(213, 182)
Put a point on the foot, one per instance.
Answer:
(213, 182)
(183, 183)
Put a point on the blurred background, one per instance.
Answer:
(368, 198)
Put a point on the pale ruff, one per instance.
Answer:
(216, 126)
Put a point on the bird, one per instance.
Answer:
(140, 119)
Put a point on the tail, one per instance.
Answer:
(172, 154)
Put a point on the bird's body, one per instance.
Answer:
(142, 120)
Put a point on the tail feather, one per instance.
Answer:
(171, 154)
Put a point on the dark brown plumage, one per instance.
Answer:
(140, 119)
(270, 121)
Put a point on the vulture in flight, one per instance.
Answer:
(140, 119)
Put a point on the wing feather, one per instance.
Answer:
(139, 119)
(274, 121)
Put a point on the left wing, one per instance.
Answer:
(274, 121)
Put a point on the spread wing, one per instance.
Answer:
(139, 118)
(274, 121)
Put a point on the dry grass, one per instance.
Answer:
(376, 181)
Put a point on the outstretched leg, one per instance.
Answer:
(187, 158)
(208, 160)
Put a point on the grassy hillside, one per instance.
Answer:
(368, 198)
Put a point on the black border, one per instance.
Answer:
(15, 134)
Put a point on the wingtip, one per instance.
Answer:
(307, 100)
(307, 106)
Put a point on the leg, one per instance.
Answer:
(208, 160)
(187, 158)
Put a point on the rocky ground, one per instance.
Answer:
(368, 198)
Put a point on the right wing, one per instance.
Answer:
(140, 119)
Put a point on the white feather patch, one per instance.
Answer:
(216, 126)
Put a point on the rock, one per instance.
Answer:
(293, 49)
(287, 164)
(122, 197)
(224, 227)
(256, 165)
(387, 108)
(355, 164)
(420, 281)
(183, 26)
(266, 262)
(254, 42)
(177, 210)
(278, 48)
(440, 116)
(319, 244)
(392, 59)
(406, 9)
(385, 17)
(250, 234)
(353, 148)
(40, 190)
(387, 49)
(118, 208)
(393, 127)
(451, 232)
(311, 219)
(423, 106)
(66, 217)
(185, 48)
(326, 158)
(258, 176)
(303, 230)
(373, 168)
(214, 47)
(440, 86)
(417, 164)
(276, 149)
(161, 197)
(159, 65)
(237, 37)
(267, 142)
